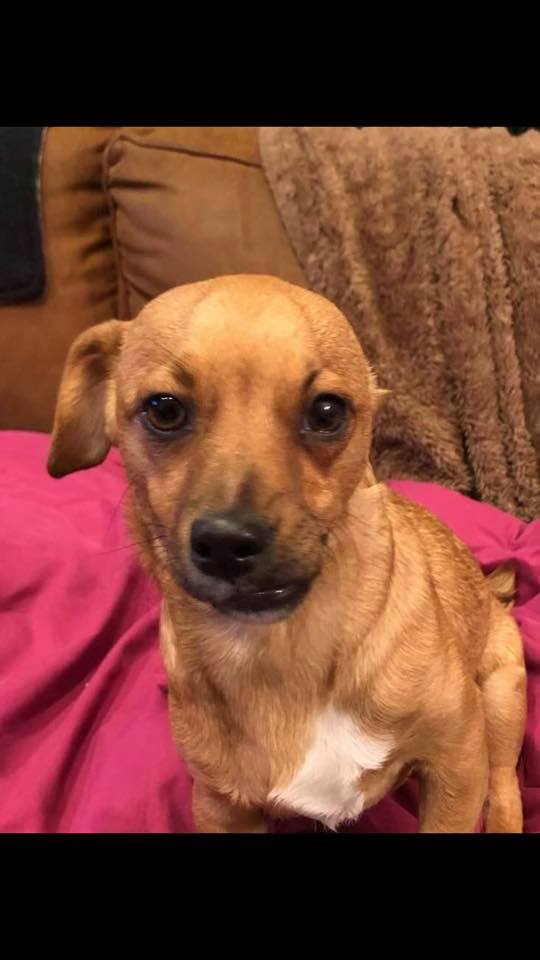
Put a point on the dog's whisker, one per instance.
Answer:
(134, 543)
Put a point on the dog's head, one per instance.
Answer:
(242, 407)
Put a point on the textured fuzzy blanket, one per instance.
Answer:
(429, 240)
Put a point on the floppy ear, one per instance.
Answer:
(378, 393)
(82, 431)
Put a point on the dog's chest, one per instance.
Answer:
(327, 785)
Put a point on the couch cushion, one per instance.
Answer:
(189, 203)
(80, 277)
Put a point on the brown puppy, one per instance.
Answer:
(322, 636)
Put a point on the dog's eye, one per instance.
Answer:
(327, 415)
(165, 414)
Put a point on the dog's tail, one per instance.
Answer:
(502, 581)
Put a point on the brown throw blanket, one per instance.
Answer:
(429, 241)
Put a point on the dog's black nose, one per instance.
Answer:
(227, 545)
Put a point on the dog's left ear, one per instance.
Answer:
(83, 432)
(378, 393)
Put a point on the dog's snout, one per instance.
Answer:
(228, 545)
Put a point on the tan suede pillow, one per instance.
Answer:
(80, 277)
(189, 203)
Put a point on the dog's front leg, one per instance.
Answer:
(213, 813)
(453, 787)
(450, 806)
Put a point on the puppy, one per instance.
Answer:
(322, 636)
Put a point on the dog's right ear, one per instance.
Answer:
(83, 431)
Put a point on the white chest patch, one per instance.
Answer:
(327, 785)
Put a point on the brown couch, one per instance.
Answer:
(127, 213)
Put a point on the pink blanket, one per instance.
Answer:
(84, 738)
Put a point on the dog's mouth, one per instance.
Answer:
(281, 600)
(249, 602)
